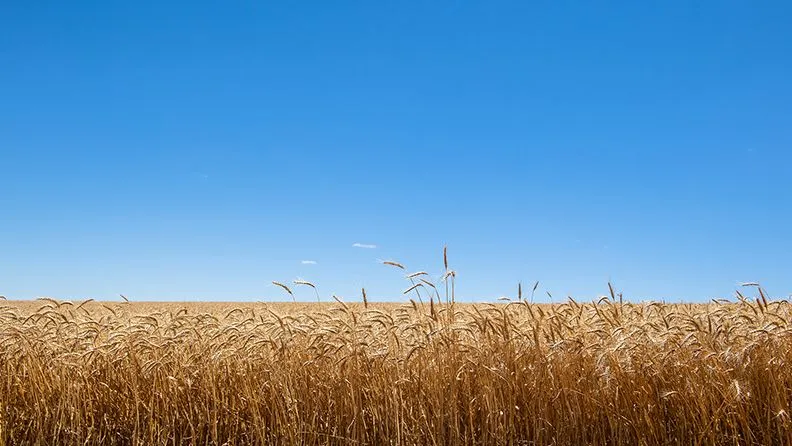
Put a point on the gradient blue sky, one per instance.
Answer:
(199, 150)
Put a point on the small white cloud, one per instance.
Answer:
(308, 262)
(363, 245)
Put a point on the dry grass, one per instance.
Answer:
(513, 373)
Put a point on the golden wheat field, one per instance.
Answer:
(596, 373)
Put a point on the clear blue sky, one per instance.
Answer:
(200, 150)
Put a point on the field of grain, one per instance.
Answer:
(596, 373)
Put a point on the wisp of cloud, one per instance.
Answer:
(363, 245)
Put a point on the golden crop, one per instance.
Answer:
(606, 373)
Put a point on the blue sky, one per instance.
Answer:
(200, 150)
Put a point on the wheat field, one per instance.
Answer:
(596, 373)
